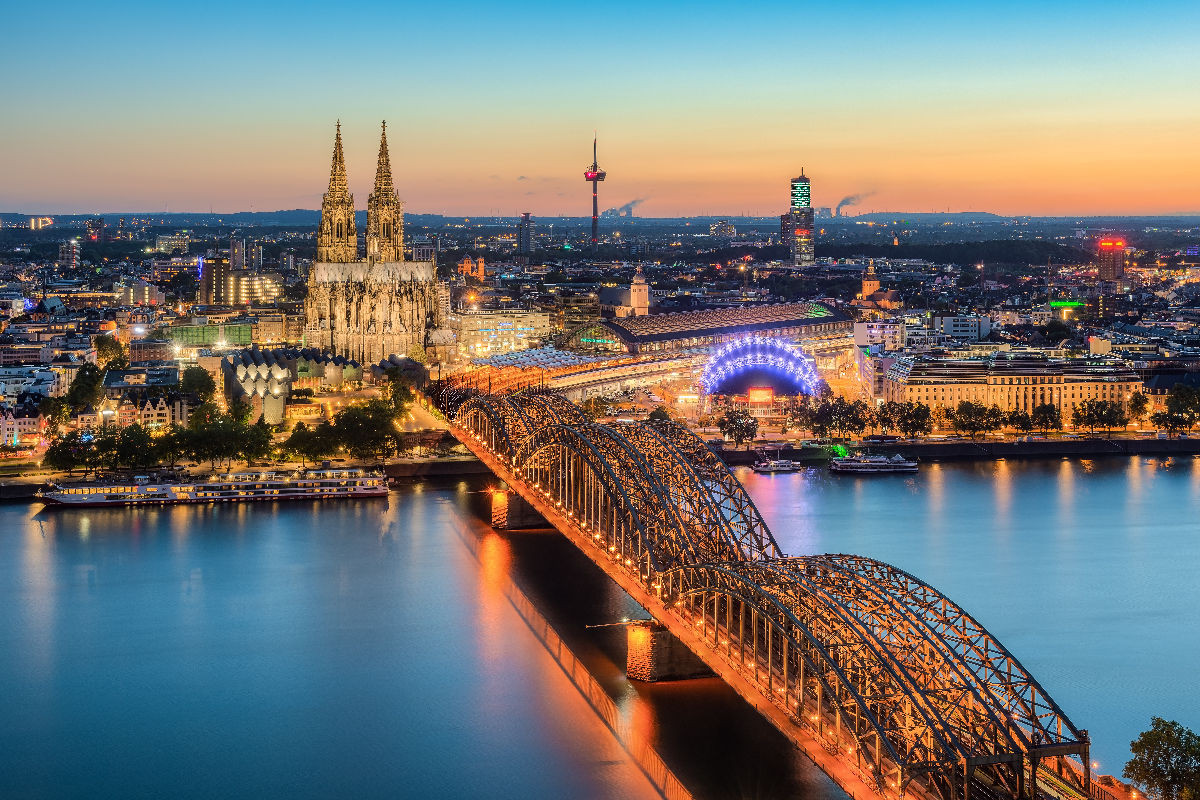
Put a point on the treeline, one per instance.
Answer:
(840, 418)
(368, 430)
(211, 435)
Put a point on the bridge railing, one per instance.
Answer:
(910, 692)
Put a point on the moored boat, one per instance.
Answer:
(314, 484)
(873, 465)
(775, 465)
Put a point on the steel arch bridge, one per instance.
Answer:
(760, 352)
(886, 683)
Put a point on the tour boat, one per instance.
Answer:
(775, 465)
(313, 484)
(873, 465)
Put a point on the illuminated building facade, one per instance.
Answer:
(801, 223)
(369, 308)
(214, 281)
(68, 255)
(525, 234)
(1010, 380)
(237, 253)
(1110, 259)
(488, 333)
(173, 242)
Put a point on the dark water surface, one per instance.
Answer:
(360, 650)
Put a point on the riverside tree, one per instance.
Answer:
(1166, 761)
(738, 425)
(1046, 417)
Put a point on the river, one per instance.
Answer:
(360, 649)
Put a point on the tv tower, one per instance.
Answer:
(594, 175)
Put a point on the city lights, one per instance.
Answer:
(757, 352)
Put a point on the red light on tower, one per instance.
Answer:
(594, 175)
(1108, 243)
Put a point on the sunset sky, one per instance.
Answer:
(1016, 108)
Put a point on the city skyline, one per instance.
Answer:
(1050, 113)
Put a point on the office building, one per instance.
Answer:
(1110, 260)
(488, 333)
(800, 233)
(214, 280)
(68, 255)
(525, 234)
(168, 243)
(237, 253)
(1010, 380)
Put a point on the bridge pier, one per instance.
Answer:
(510, 512)
(654, 654)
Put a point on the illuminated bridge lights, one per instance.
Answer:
(827, 639)
(760, 352)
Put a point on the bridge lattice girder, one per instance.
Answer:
(905, 679)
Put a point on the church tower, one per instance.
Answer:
(870, 281)
(337, 239)
(385, 214)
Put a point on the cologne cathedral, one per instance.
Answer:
(367, 308)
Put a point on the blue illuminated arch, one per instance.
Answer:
(759, 352)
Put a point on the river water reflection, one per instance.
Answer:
(359, 649)
(1085, 570)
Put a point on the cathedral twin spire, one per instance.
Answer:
(337, 236)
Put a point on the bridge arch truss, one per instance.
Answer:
(904, 686)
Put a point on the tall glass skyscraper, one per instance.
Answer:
(803, 251)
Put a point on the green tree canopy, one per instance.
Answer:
(134, 448)
(87, 388)
(738, 425)
(399, 391)
(1046, 417)
(1138, 403)
(110, 353)
(198, 381)
(915, 419)
(367, 430)
(1166, 761)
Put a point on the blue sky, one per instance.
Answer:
(702, 108)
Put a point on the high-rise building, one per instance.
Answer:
(68, 255)
(256, 260)
(801, 213)
(1110, 260)
(214, 280)
(95, 228)
(237, 253)
(525, 234)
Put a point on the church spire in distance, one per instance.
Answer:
(385, 213)
(337, 239)
(339, 187)
(383, 170)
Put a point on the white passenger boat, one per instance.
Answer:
(240, 487)
(873, 465)
(775, 465)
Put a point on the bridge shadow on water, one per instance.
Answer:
(716, 744)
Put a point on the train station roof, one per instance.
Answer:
(722, 321)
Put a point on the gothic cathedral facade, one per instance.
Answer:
(367, 308)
